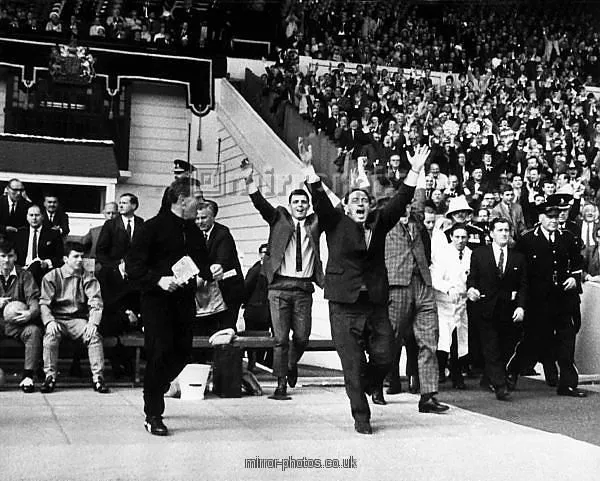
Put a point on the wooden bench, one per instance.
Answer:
(244, 340)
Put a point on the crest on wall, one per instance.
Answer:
(71, 64)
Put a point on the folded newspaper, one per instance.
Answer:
(185, 269)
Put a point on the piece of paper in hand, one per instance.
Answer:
(229, 273)
(184, 269)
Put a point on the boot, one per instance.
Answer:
(442, 357)
(280, 393)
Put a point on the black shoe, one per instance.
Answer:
(48, 385)
(154, 425)
(100, 387)
(363, 427)
(280, 393)
(511, 381)
(432, 405)
(292, 377)
(502, 394)
(571, 392)
(27, 385)
(414, 386)
(378, 398)
(395, 386)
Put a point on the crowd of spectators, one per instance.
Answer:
(515, 113)
(181, 25)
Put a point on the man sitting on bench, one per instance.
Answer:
(17, 284)
(71, 305)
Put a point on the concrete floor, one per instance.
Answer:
(76, 434)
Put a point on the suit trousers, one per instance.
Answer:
(549, 336)
(413, 308)
(290, 310)
(168, 344)
(73, 329)
(499, 336)
(356, 328)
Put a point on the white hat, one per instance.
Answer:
(458, 204)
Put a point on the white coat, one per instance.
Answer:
(448, 271)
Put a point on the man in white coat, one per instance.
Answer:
(449, 271)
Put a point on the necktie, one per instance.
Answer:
(298, 248)
(129, 229)
(588, 235)
(51, 218)
(34, 244)
(501, 263)
(460, 255)
(4, 283)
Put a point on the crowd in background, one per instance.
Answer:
(175, 26)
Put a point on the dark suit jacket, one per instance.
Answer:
(61, 219)
(591, 263)
(50, 246)
(20, 217)
(350, 262)
(222, 250)
(280, 233)
(113, 243)
(483, 276)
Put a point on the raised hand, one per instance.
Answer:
(305, 152)
(247, 171)
(417, 161)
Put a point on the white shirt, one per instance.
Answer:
(497, 249)
(585, 227)
(548, 234)
(10, 205)
(30, 257)
(288, 264)
(208, 232)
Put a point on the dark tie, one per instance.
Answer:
(588, 235)
(460, 255)
(501, 263)
(129, 229)
(13, 208)
(34, 245)
(4, 283)
(298, 248)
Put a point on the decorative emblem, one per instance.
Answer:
(71, 64)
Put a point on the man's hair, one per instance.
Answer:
(132, 198)
(32, 206)
(6, 246)
(547, 181)
(14, 179)
(498, 220)
(458, 226)
(298, 192)
(73, 246)
(50, 193)
(182, 186)
(210, 205)
(505, 188)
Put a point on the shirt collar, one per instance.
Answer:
(208, 232)
(68, 272)
(13, 272)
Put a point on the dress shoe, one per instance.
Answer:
(571, 392)
(27, 385)
(414, 386)
(363, 427)
(280, 393)
(502, 394)
(292, 377)
(432, 405)
(377, 397)
(395, 387)
(511, 381)
(154, 425)
(100, 387)
(48, 385)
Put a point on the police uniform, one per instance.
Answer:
(549, 331)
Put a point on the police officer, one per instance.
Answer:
(181, 169)
(554, 267)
